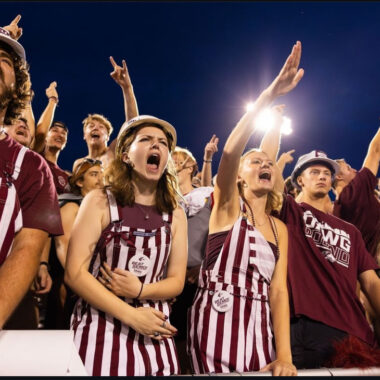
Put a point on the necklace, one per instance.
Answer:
(144, 212)
(273, 227)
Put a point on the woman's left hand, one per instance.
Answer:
(280, 368)
(120, 282)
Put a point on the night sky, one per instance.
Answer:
(197, 64)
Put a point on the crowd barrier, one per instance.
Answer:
(53, 353)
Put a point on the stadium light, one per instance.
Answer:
(265, 121)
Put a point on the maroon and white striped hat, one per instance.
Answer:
(16, 46)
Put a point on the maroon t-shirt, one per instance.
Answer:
(35, 190)
(325, 257)
(357, 204)
(60, 177)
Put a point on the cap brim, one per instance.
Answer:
(16, 46)
(124, 130)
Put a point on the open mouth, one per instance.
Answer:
(265, 176)
(153, 161)
(95, 135)
(21, 132)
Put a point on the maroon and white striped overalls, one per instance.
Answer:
(107, 346)
(10, 209)
(239, 339)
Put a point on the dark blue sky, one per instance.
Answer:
(196, 65)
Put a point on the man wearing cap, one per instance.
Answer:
(326, 258)
(97, 129)
(356, 201)
(29, 209)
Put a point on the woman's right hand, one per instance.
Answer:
(149, 322)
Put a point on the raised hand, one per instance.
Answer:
(51, 91)
(289, 75)
(287, 157)
(120, 74)
(14, 30)
(211, 148)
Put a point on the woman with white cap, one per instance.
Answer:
(242, 282)
(127, 256)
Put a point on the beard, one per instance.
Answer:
(6, 95)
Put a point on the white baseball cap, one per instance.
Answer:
(313, 158)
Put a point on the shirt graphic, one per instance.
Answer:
(334, 243)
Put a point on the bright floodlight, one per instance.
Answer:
(265, 121)
(249, 107)
(286, 127)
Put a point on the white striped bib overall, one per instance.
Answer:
(10, 209)
(240, 338)
(105, 344)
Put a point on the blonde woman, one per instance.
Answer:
(123, 241)
(242, 298)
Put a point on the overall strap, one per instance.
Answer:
(114, 209)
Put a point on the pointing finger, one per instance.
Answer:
(16, 20)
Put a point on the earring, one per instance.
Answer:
(245, 184)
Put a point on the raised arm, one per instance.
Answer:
(285, 158)
(92, 218)
(371, 161)
(46, 117)
(210, 149)
(226, 190)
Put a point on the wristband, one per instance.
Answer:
(53, 97)
(142, 285)
(45, 263)
(207, 160)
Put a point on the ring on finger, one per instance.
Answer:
(156, 333)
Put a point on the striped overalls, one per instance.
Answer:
(106, 345)
(230, 324)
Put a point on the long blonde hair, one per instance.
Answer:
(119, 178)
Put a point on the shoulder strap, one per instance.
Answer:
(114, 210)
(18, 163)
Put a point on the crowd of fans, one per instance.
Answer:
(160, 268)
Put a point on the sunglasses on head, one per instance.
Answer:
(90, 161)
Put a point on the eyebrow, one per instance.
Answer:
(4, 54)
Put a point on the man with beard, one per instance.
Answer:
(97, 129)
(29, 207)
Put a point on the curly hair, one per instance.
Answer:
(274, 198)
(119, 179)
(22, 91)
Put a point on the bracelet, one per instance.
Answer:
(207, 160)
(53, 97)
(45, 263)
(142, 285)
